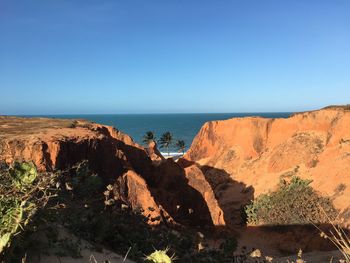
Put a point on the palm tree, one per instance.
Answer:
(148, 137)
(166, 140)
(181, 146)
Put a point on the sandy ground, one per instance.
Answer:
(87, 253)
(88, 256)
(269, 244)
(314, 257)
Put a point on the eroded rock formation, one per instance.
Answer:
(155, 188)
(229, 163)
(242, 158)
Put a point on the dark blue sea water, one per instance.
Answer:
(182, 126)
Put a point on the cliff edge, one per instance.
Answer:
(141, 179)
(242, 158)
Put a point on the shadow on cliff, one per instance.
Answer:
(168, 183)
(112, 157)
(230, 195)
(186, 203)
(233, 196)
(171, 189)
(224, 188)
(285, 240)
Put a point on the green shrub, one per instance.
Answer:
(75, 200)
(11, 216)
(15, 182)
(23, 174)
(84, 181)
(22, 194)
(294, 202)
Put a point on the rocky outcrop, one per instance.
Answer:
(229, 163)
(197, 179)
(180, 198)
(137, 194)
(154, 153)
(242, 158)
(142, 179)
(57, 144)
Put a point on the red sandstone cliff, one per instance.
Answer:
(157, 188)
(229, 163)
(244, 157)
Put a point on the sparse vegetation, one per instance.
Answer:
(148, 137)
(181, 146)
(22, 196)
(166, 140)
(340, 239)
(74, 124)
(78, 202)
(338, 236)
(106, 222)
(294, 202)
(344, 107)
(258, 144)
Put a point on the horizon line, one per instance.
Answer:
(150, 113)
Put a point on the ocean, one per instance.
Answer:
(182, 126)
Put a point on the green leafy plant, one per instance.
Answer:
(294, 202)
(19, 176)
(23, 174)
(11, 216)
(75, 200)
(22, 194)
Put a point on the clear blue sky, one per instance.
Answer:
(128, 56)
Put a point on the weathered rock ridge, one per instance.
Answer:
(159, 187)
(229, 163)
(242, 158)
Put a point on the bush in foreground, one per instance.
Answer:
(52, 213)
(294, 202)
(22, 195)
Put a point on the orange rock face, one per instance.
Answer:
(154, 153)
(139, 196)
(54, 144)
(242, 158)
(229, 163)
(58, 144)
(146, 180)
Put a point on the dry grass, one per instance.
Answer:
(338, 236)
(340, 239)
